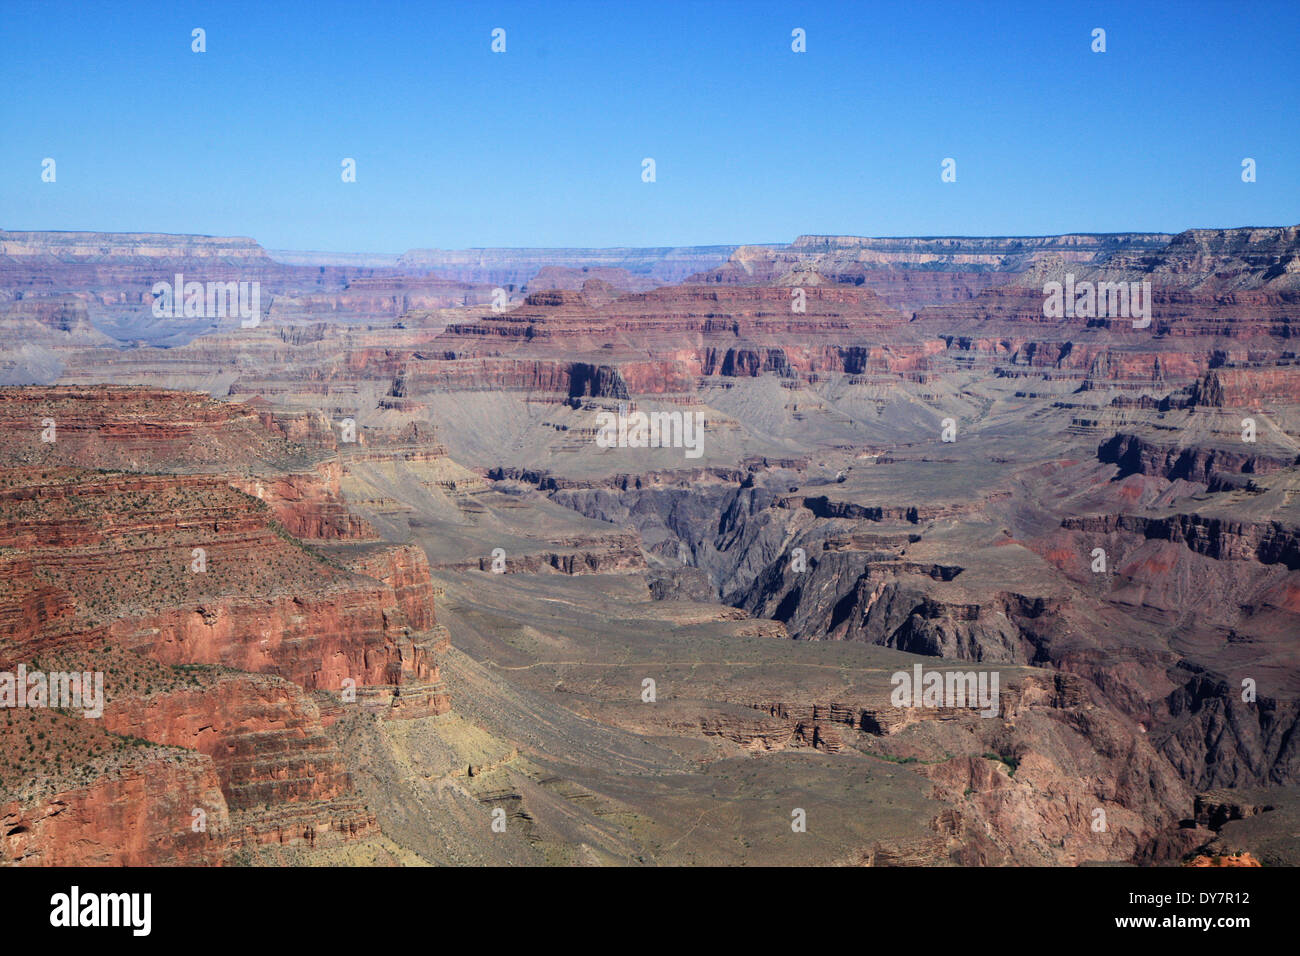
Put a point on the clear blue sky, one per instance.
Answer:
(542, 146)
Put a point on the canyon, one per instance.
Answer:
(362, 579)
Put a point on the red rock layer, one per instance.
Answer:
(141, 815)
(189, 572)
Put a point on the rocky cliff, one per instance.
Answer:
(224, 639)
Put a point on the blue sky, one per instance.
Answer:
(542, 146)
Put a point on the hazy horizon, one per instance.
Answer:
(273, 250)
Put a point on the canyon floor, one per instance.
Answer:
(367, 587)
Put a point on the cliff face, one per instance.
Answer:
(309, 504)
(281, 777)
(219, 625)
(1248, 387)
(72, 792)
(1215, 467)
(405, 569)
(293, 459)
(1223, 540)
(1223, 741)
(139, 429)
(1223, 260)
(121, 549)
(140, 815)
